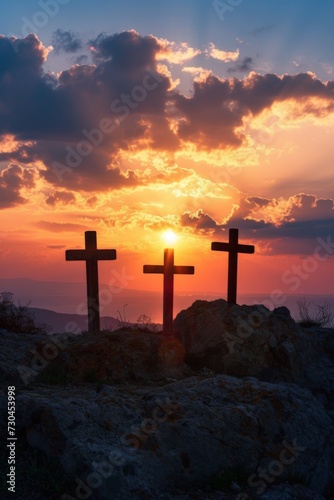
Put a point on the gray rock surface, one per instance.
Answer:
(109, 357)
(254, 341)
(181, 435)
(123, 416)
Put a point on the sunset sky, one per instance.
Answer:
(133, 117)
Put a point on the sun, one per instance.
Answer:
(169, 236)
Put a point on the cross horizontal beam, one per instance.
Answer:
(90, 254)
(176, 269)
(226, 247)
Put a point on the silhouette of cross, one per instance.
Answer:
(168, 270)
(233, 248)
(92, 255)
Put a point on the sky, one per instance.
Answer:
(134, 117)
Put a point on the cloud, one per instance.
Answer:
(60, 227)
(298, 217)
(126, 50)
(308, 207)
(200, 222)
(176, 53)
(66, 41)
(58, 197)
(222, 55)
(82, 59)
(57, 114)
(261, 29)
(56, 247)
(75, 126)
(12, 180)
(197, 72)
(213, 116)
(285, 225)
(244, 66)
(261, 202)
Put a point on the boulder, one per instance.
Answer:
(138, 442)
(109, 357)
(238, 406)
(254, 341)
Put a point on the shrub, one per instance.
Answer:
(144, 323)
(17, 318)
(321, 315)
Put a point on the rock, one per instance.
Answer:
(121, 415)
(15, 350)
(291, 492)
(109, 357)
(254, 341)
(181, 435)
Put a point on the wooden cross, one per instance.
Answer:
(168, 270)
(233, 248)
(92, 255)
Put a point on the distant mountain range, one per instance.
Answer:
(71, 323)
(126, 304)
(70, 298)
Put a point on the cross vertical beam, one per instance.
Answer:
(91, 255)
(92, 279)
(233, 248)
(168, 270)
(168, 291)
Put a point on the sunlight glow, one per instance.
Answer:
(169, 236)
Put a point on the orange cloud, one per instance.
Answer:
(223, 55)
(176, 53)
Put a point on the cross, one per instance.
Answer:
(168, 270)
(233, 248)
(91, 255)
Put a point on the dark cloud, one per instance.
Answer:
(307, 219)
(261, 202)
(307, 207)
(21, 57)
(261, 29)
(211, 117)
(66, 41)
(126, 51)
(82, 59)
(12, 180)
(60, 197)
(202, 222)
(243, 66)
(96, 172)
(199, 221)
(79, 122)
(32, 105)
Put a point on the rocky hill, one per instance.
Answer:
(239, 405)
